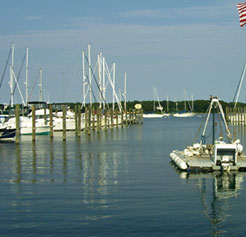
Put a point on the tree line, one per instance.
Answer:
(199, 106)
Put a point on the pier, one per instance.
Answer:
(236, 116)
(87, 119)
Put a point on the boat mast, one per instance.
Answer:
(12, 77)
(103, 82)
(83, 77)
(99, 62)
(192, 103)
(154, 98)
(113, 85)
(26, 82)
(185, 95)
(125, 92)
(90, 70)
(41, 85)
(167, 104)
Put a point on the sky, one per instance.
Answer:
(182, 48)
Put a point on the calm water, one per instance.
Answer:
(116, 183)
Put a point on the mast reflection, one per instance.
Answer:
(216, 190)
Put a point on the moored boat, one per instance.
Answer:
(7, 133)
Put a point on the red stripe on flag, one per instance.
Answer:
(241, 7)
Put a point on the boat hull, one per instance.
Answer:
(155, 115)
(7, 134)
(184, 115)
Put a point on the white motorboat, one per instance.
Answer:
(41, 128)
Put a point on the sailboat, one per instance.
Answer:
(159, 107)
(185, 113)
(25, 121)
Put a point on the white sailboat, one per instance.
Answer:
(159, 107)
(25, 121)
(185, 114)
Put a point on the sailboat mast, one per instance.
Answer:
(167, 104)
(26, 82)
(125, 92)
(185, 100)
(12, 77)
(113, 85)
(153, 99)
(103, 82)
(83, 77)
(90, 72)
(41, 85)
(192, 103)
(99, 62)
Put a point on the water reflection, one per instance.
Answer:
(216, 190)
(90, 168)
(94, 159)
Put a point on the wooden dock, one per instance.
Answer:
(93, 119)
(236, 116)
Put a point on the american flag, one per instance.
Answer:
(241, 7)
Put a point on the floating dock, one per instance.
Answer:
(219, 155)
(205, 162)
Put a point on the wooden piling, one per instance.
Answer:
(117, 118)
(105, 119)
(17, 116)
(126, 118)
(98, 112)
(76, 119)
(86, 120)
(51, 121)
(244, 117)
(141, 116)
(112, 118)
(242, 122)
(122, 118)
(79, 119)
(45, 116)
(93, 117)
(89, 121)
(33, 123)
(63, 122)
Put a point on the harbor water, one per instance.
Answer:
(119, 182)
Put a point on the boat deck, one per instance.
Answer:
(203, 161)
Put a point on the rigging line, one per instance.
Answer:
(5, 67)
(34, 84)
(18, 77)
(89, 83)
(96, 82)
(74, 77)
